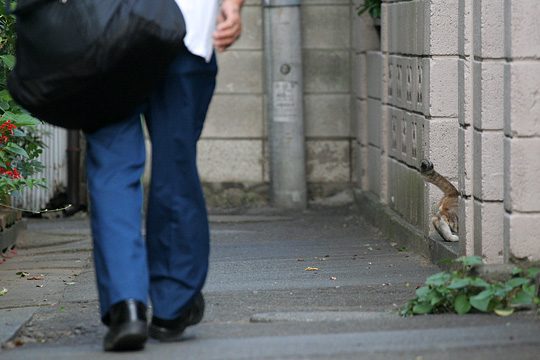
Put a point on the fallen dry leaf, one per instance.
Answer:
(40, 286)
(3, 291)
(36, 277)
(333, 278)
(22, 273)
(309, 268)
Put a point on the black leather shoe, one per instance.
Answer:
(128, 328)
(172, 330)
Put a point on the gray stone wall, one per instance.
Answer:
(233, 148)
(456, 82)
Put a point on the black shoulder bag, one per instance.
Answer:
(81, 64)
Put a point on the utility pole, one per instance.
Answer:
(284, 90)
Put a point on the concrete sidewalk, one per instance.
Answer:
(261, 302)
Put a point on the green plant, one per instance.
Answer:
(371, 6)
(20, 142)
(461, 292)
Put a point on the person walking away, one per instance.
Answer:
(168, 266)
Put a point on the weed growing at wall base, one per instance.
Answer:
(460, 291)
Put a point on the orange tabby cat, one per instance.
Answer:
(445, 221)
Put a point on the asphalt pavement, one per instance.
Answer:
(319, 284)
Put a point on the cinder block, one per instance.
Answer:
(374, 122)
(488, 178)
(385, 129)
(489, 230)
(465, 161)
(362, 122)
(385, 28)
(252, 34)
(417, 137)
(384, 78)
(402, 191)
(522, 174)
(466, 226)
(394, 32)
(441, 27)
(364, 34)
(243, 159)
(240, 72)
(466, 29)
(326, 71)
(399, 81)
(328, 27)
(489, 95)
(422, 84)
(359, 75)
(406, 138)
(417, 208)
(327, 115)
(490, 29)
(521, 236)
(361, 167)
(374, 170)
(396, 121)
(392, 180)
(442, 87)
(441, 145)
(374, 74)
(383, 196)
(465, 89)
(522, 117)
(523, 29)
(234, 116)
(402, 25)
(421, 34)
(410, 83)
(328, 161)
(410, 12)
(391, 80)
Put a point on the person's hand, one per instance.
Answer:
(229, 24)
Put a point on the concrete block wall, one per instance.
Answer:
(456, 82)
(412, 106)
(234, 147)
(522, 130)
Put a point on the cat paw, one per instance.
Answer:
(451, 238)
(426, 165)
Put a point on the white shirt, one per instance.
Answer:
(200, 17)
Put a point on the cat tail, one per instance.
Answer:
(432, 176)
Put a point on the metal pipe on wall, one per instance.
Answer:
(284, 94)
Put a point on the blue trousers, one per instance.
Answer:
(170, 264)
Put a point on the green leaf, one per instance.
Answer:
(533, 272)
(16, 149)
(523, 298)
(462, 304)
(481, 283)
(470, 260)
(422, 308)
(516, 271)
(23, 119)
(8, 61)
(482, 300)
(515, 282)
(423, 291)
(459, 283)
(438, 279)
